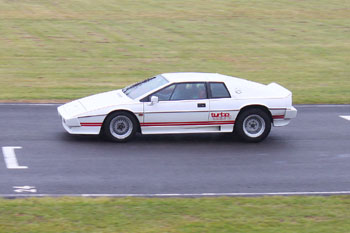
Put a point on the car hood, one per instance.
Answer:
(87, 105)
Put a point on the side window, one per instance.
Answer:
(219, 90)
(165, 93)
(189, 91)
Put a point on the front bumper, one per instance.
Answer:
(77, 125)
(80, 129)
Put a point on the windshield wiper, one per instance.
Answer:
(136, 84)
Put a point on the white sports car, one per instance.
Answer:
(174, 103)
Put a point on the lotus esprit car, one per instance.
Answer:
(174, 103)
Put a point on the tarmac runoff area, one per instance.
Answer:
(311, 156)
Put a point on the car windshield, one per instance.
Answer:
(141, 88)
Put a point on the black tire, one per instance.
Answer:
(120, 126)
(253, 125)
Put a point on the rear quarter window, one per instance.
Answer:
(219, 90)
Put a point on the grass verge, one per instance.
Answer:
(224, 214)
(61, 50)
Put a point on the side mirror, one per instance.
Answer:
(154, 100)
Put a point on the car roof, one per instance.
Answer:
(199, 77)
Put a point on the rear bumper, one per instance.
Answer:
(291, 113)
(285, 120)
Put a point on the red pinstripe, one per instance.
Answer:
(187, 123)
(91, 124)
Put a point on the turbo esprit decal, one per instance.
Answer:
(220, 115)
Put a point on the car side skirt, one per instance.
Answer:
(187, 127)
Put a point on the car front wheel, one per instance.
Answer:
(120, 126)
(253, 125)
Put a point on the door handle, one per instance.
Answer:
(201, 105)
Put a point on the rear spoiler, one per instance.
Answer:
(278, 90)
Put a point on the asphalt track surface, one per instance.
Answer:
(311, 155)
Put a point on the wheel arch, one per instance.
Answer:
(121, 111)
(259, 106)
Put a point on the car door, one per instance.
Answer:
(182, 108)
(222, 111)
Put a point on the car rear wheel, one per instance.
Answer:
(120, 126)
(253, 125)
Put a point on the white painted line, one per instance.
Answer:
(10, 157)
(23, 189)
(346, 117)
(182, 195)
(320, 105)
(218, 194)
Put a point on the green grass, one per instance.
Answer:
(261, 214)
(60, 50)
